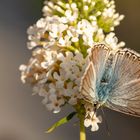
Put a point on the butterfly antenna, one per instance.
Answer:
(106, 123)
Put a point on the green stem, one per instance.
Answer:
(82, 128)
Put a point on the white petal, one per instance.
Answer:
(62, 41)
(56, 76)
(87, 122)
(50, 107)
(45, 100)
(61, 101)
(72, 101)
(94, 127)
(75, 39)
(57, 110)
(53, 97)
(22, 67)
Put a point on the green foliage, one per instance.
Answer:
(61, 122)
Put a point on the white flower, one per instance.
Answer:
(68, 91)
(72, 33)
(89, 108)
(50, 57)
(65, 41)
(66, 60)
(72, 12)
(56, 29)
(34, 36)
(109, 14)
(41, 23)
(74, 97)
(83, 26)
(60, 79)
(100, 35)
(47, 9)
(73, 65)
(55, 103)
(92, 120)
(86, 29)
(86, 8)
(23, 68)
(45, 32)
(40, 90)
(112, 41)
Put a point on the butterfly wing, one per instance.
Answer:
(99, 56)
(93, 73)
(125, 94)
(88, 83)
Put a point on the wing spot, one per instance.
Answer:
(128, 54)
(120, 53)
(134, 57)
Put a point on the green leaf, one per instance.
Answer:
(61, 122)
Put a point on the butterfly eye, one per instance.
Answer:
(95, 105)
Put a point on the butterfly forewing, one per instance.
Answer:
(125, 93)
(99, 56)
(87, 87)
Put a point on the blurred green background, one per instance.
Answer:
(23, 117)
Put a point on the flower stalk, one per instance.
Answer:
(82, 128)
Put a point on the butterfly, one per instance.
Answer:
(112, 79)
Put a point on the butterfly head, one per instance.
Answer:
(96, 105)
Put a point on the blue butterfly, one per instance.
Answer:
(112, 79)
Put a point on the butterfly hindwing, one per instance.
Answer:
(125, 94)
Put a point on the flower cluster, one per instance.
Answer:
(55, 76)
(60, 41)
(73, 24)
